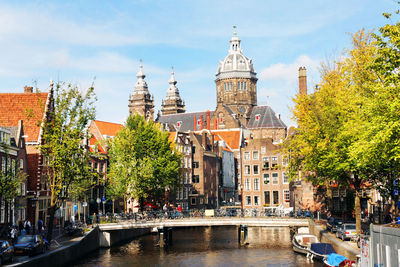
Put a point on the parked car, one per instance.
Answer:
(30, 245)
(332, 224)
(347, 231)
(6, 252)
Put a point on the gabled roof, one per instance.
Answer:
(29, 107)
(184, 122)
(264, 117)
(108, 128)
(231, 137)
(93, 143)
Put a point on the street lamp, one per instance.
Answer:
(342, 206)
(98, 200)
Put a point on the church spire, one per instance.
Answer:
(141, 85)
(173, 102)
(141, 101)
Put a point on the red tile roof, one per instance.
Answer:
(28, 107)
(108, 128)
(231, 138)
(93, 142)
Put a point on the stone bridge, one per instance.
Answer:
(113, 233)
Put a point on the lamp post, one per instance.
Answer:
(342, 207)
(98, 200)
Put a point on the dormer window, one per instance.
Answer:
(258, 116)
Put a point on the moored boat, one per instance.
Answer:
(336, 260)
(302, 242)
(320, 250)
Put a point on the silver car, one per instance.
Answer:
(347, 231)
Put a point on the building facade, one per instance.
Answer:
(30, 107)
(13, 166)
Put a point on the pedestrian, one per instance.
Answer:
(27, 226)
(14, 234)
(40, 226)
(179, 208)
(20, 226)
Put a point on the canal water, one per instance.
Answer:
(204, 246)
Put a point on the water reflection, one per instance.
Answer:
(205, 246)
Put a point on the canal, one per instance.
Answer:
(204, 246)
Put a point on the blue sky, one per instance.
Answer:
(75, 41)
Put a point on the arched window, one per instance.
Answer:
(245, 86)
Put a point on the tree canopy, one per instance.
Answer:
(348, 129)
(66, 157)
(143, 163)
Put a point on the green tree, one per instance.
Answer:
(329, 122)
(378, 148)
(66, 156)
(143, 163)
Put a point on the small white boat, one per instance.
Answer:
(302, 242)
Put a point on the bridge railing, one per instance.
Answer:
(160, 215)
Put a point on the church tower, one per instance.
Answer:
(141, 101)
(173, 103)
(236, 84)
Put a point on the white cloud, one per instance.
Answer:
(288, 72)
(38, 25)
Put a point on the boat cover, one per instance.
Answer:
(334, 259)
(322, 248)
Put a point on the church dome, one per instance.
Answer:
(235, 64)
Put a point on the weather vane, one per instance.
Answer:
(234, 30)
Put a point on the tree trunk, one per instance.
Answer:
(124, 204)
(50, 225)
(393, 202)
(6, 213)
(357, 212)
(113, 203)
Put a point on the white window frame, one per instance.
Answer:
(256, 184)
(246, 155)
(247, 184)
(258, 169)
(248, 203)
(255, 155)
(275, 180)
(283, 178)
(247, 169)
(268, 178)
(263, 150)
(286, 191)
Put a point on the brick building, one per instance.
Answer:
(32, 108)
(13, 162)
(100, 132)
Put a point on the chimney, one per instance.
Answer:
(201, 122)
(195, 125)
(208, 120)
(28, 89)
(302, 81)
(204, 140)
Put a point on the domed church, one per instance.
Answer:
(236, 88)
(231, 154)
